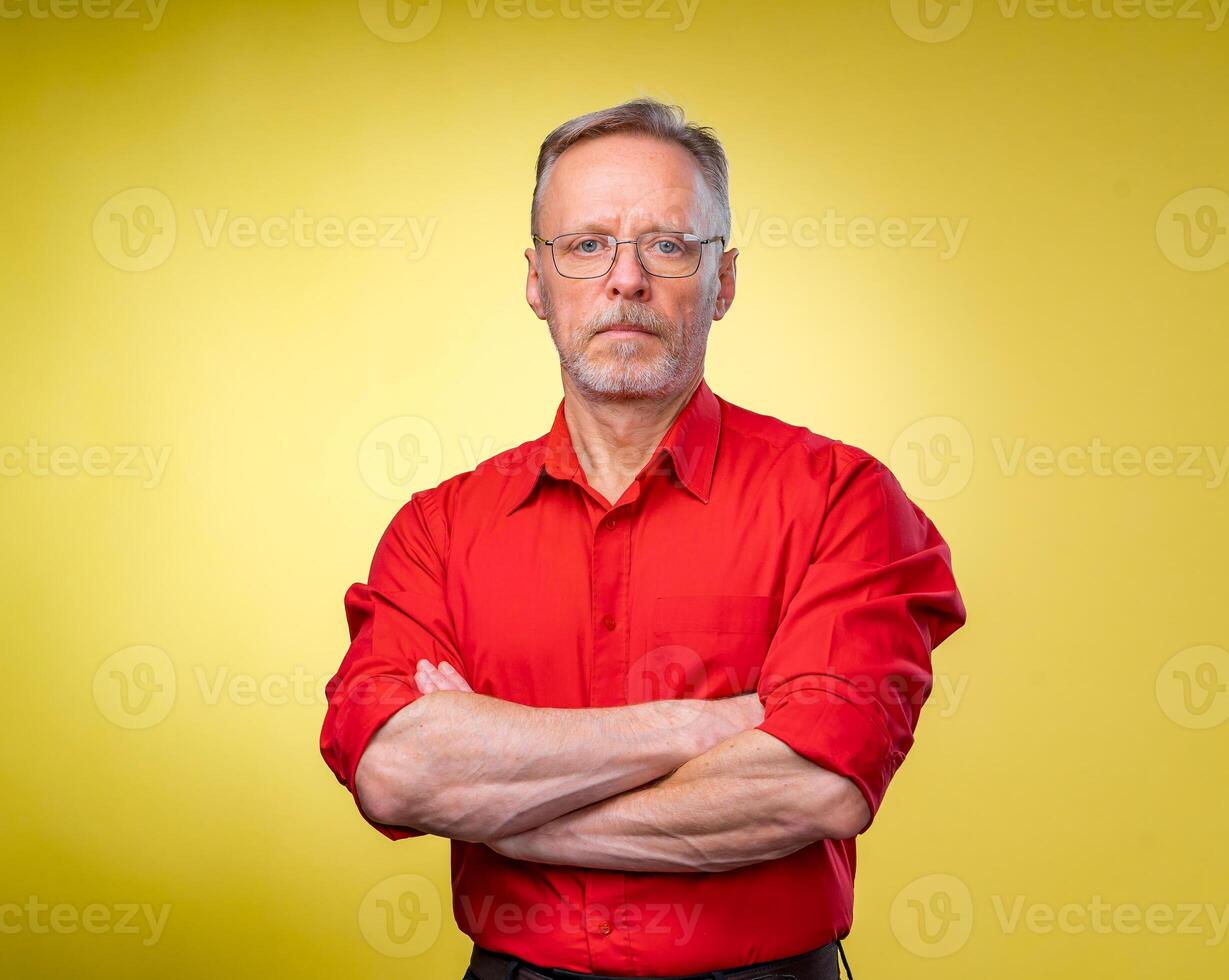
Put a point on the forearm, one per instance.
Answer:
(475, 768)
(749, 799)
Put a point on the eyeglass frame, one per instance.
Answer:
(631, 241)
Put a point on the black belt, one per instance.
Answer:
(815, 964)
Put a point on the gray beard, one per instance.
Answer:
(625, 372)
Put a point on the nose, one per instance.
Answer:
(627, 277)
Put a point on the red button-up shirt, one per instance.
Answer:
(747, 555)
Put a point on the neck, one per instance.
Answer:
(614, 438)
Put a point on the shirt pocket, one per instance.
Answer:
(709, 646)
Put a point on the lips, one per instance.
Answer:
(629, 327)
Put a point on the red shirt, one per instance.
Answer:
(760, 556)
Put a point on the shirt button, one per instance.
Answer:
(604, 928)
(610, 523)
(608, 622)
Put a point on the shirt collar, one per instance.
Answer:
(690, 443)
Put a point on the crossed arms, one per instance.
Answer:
(682, 785)
(685, 785)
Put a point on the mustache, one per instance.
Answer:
(634, 314)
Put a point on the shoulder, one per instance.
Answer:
(794, 450)
(481, 490)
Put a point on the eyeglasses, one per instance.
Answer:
(665, 254)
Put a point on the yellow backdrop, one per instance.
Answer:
(261, 279)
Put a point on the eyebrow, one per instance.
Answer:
(603, 225)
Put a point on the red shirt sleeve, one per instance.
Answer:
(397, 618)
(849, 666)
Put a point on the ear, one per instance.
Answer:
(533, 284)
(726, 274)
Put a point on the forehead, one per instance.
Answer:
(624, 182)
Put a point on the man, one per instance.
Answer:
(653, 671)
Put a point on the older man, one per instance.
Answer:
(653, 671)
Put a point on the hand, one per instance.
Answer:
(442, 678)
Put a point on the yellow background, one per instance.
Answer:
(1073, 768)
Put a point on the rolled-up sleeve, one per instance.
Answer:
(397, 618)
(849, 666)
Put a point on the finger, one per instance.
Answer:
(455, 675)
(438, 678)
(423, 679)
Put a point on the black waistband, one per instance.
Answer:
(509, 966)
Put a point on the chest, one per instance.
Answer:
(562, 604)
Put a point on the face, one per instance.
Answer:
(629, 334)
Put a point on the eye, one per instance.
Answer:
(588, 245)
(667, 245)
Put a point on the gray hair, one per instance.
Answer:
(647, 117)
